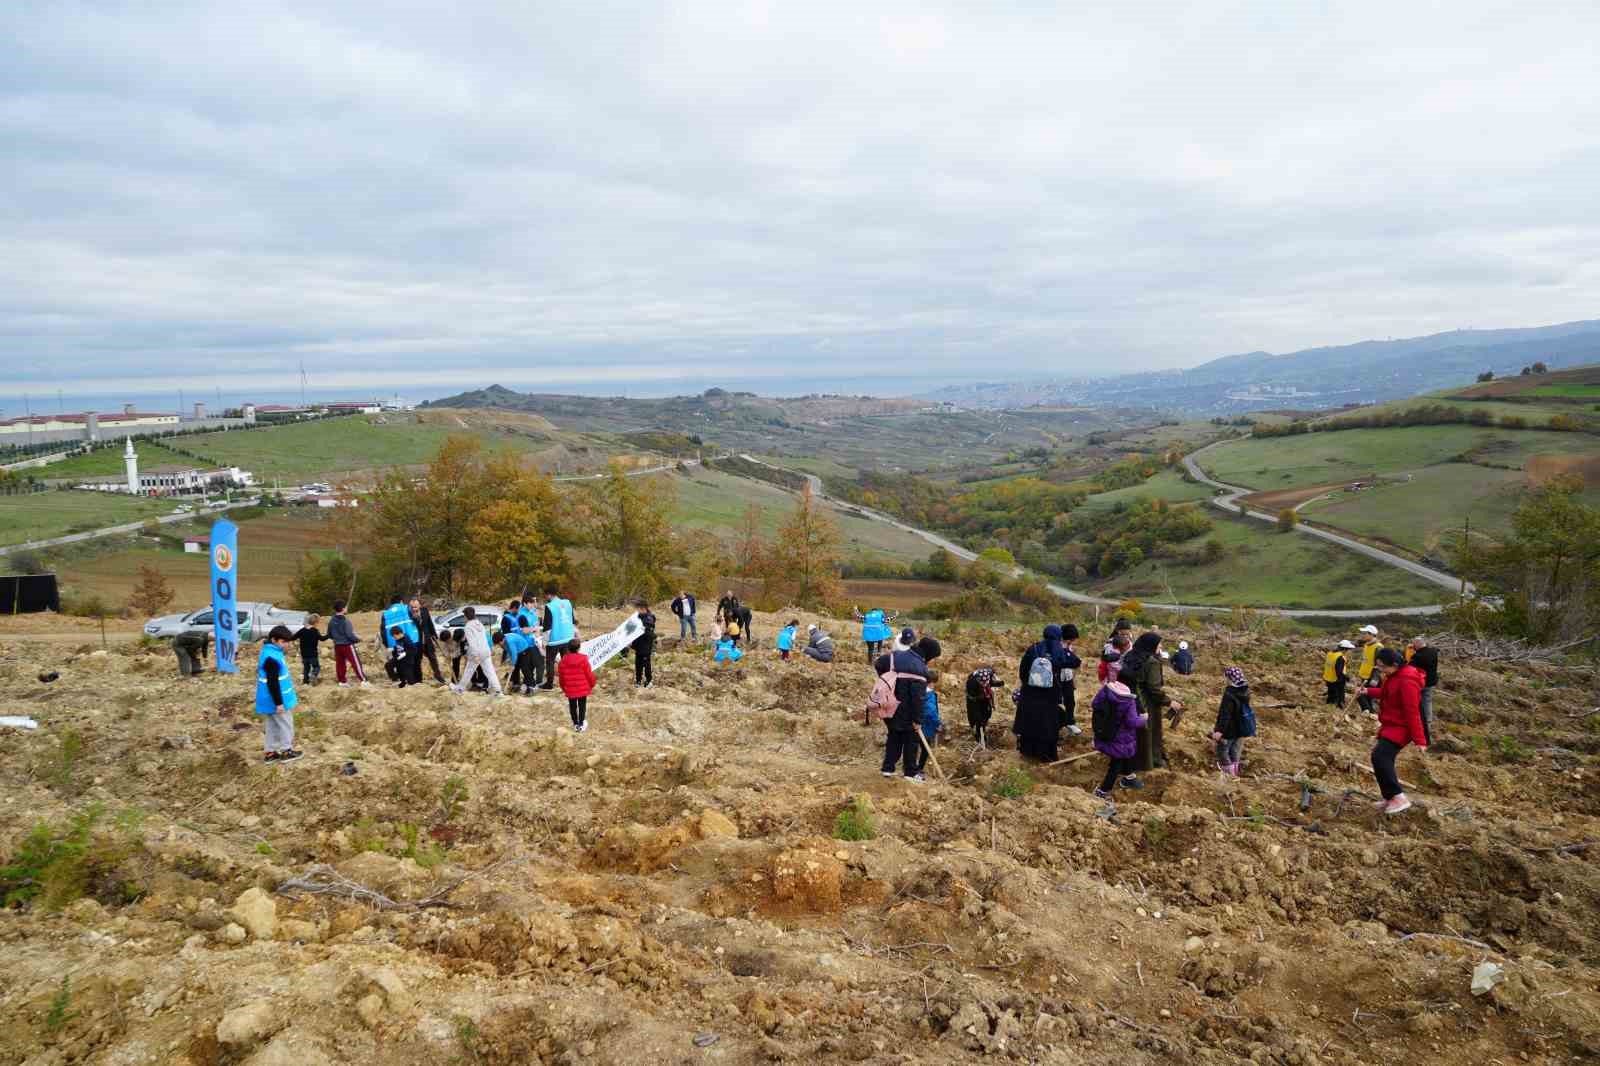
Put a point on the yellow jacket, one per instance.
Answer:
(1369, 659)
(1332, 668)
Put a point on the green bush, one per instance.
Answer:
(857, 821)
(58, 863)
(1013, 784)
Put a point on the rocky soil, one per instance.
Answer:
(667, 888)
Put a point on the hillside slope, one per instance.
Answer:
(665, 888)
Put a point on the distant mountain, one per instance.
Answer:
(1316, 378)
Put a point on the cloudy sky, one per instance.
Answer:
(541, 194)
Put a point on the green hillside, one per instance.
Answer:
(52, 514)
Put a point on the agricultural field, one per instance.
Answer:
(1167, 485)
(1262, 567)
(715, 502)
(1413, 515)
(1348, 455)
(42, 515)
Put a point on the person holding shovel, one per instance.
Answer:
(911, 691)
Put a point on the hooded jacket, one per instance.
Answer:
(1229, 720)
(1400, 707)
(1140, 670)
(1120, 698)
(575, 674)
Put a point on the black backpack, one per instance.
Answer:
(1106, 723)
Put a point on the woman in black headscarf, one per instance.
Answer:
(1141, 672)
(1039, 699)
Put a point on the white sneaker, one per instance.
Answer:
(887, 773)
(366, 684)
(1398, 805)
(1074, 730)
(583, 727)
(344, 684)
(917, 778)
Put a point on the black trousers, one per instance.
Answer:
(1335, 697)
(1383, 754)
(579, 709)
(874, 649)
(643, 666)
(901, 746)
(433, 661)
(310, 667)
(527, 668)
(551, 654)
(1069, 705)
(1115, 768)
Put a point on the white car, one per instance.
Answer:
(455, 619)
(255, 620)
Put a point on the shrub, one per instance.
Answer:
(1013, 784)
(1155, 831)
(1288, 518)
(452, 796)
(57, 863)
(1129, 609)
(857, 821)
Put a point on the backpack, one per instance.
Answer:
(1042, 674)
(1106, 723)
(882, 703)
(1247, 720)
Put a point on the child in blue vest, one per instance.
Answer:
(930, 721)
(786, 638)
(407, 656)
(521, 652)
(275, 696)
(727, 651)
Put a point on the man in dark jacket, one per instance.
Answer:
(644, 647)
(1140, 670)
(344, 638)
(427, 639)
(683, 606)
(911, 690)
(1426, 659)
(744, 615)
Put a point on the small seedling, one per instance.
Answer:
(857, 821)
(1155, 831)
(451, 797)
(264, 848)
(1013, 784)
(57, 1017)
(1257, 816)
(68, 754)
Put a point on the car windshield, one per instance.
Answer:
(201, 618)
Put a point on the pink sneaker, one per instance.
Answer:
(1397, 805)
(1234, 769)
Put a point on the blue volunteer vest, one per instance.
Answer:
(264, 704)
(873, 627)
(398, 614)
(561, 630)
(516, 644)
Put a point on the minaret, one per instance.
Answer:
(131, 460)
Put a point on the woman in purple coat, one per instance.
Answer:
(1116, 724)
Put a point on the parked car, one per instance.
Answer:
(455, 619)
(255, 620)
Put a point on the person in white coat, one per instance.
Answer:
(480, 655)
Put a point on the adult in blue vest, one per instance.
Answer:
(398, 613)
(874, 631)
(275, 696)
(560, 626)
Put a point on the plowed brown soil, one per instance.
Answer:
(665, 888)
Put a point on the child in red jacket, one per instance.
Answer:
(1399, 723)
(577, 681)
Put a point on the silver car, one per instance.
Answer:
(255, 620)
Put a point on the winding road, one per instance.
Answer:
(1073, 596)
(126, 527)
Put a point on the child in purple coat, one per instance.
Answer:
(1116, 723)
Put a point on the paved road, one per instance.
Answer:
(663, 468)
(126, 527)
(1230, 502)
(1074, 596)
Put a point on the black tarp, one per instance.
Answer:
(27, 593)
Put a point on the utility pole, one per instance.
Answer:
(1466, 546)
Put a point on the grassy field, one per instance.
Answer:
(1315, 458)
(1261, 567)
(715, 502)
(53, 514)
(1412, 514)
(106, 462)
(270, 550)
(1167, 485)
(1570, 392)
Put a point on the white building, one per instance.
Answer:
(171, 480)
(90, 424)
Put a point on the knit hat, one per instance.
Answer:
(1235, 677)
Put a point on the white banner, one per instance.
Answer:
(601, 649)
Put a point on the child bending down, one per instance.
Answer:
(930, 721)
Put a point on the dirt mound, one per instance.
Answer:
(455, 879)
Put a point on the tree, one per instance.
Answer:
(941, 566)
(1487, 375)
(510, 553)
(750, 548)
(626, 523)
(151, 594)
(1547, 572)
(805, 559)
(1000, 557)
(1288, 518)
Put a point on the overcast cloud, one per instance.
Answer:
(536, 193)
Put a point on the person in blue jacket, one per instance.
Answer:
(275, 696)
(875, 630)
(727, 651)
(786, 637)
(931, 722)
(560, 627)
(397, 613)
